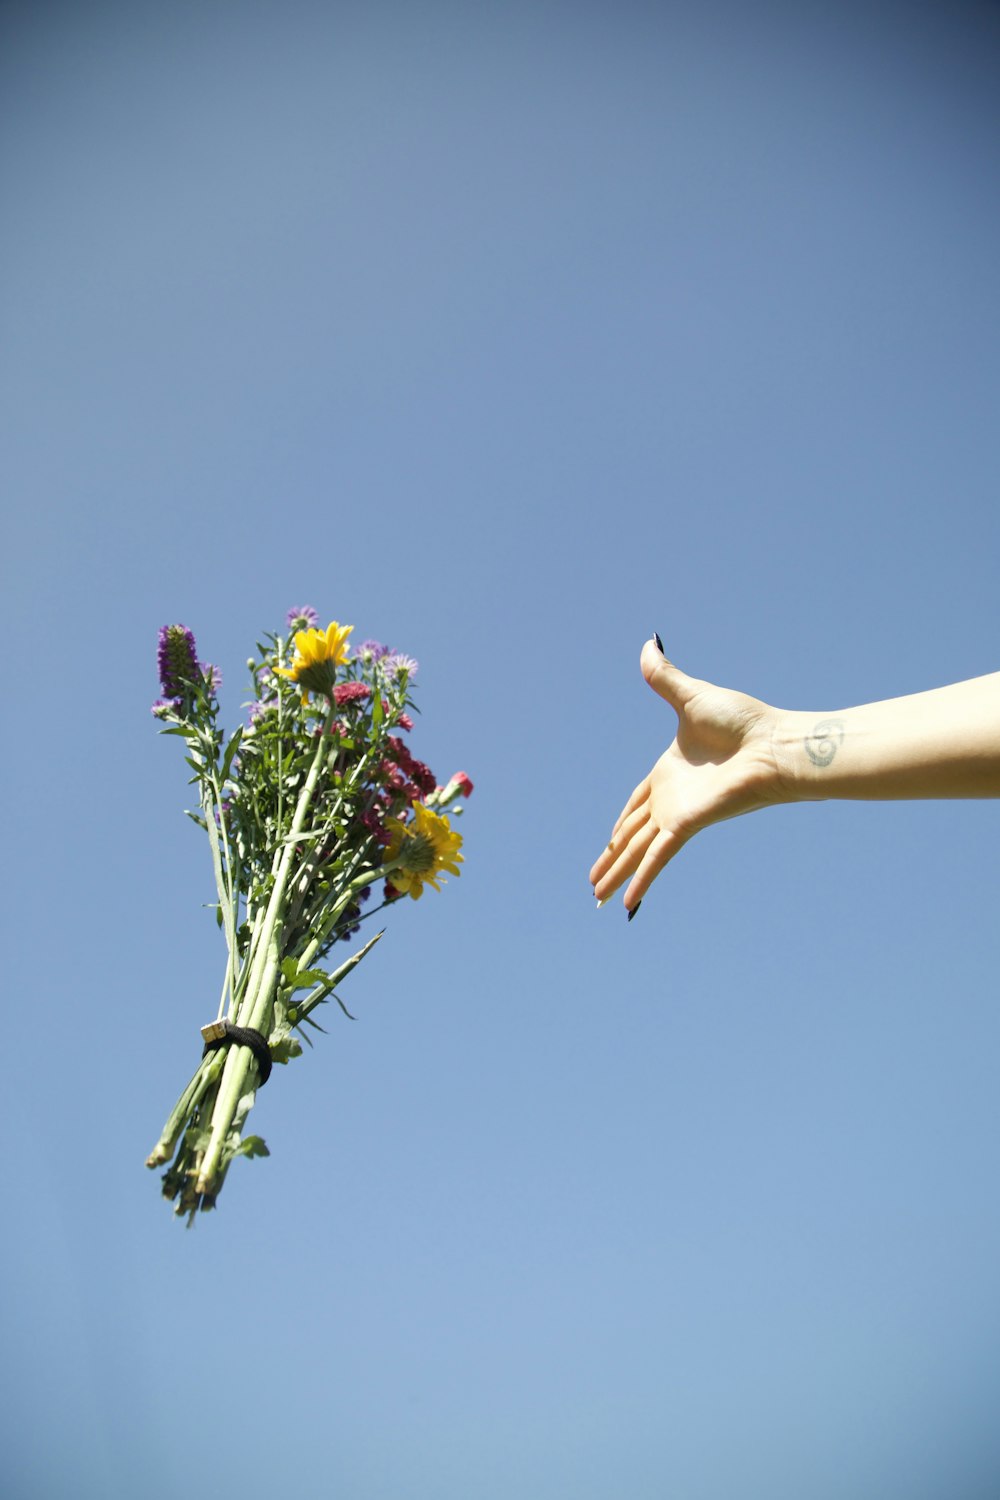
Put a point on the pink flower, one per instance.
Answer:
(398, 751)
(460, 779)
(350, 692)
(392, 775)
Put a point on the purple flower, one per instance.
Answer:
(305, 618)
(370, 651)
(259, 709)
(177, 659)
(396, 663)
(164, 707)
(212, 675)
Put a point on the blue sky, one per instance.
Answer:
(509, 333)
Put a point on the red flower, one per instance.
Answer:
(392, 774)
(373, 823)
(350, 692)
(398, 751)
(423, 776)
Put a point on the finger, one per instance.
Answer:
(619, 841)
(628, 861)
(674, 686)
(659, 853)
(637, 798)
(632, 814)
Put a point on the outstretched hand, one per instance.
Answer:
(721, 764)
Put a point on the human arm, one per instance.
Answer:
(938, 744)
(733, 754)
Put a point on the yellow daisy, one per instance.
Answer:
(423, 848)
(318, 655)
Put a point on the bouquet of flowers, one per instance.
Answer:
(306, 808)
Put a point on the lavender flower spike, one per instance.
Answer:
(305, 618)
(177, 658)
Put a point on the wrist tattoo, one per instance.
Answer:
(825, 740)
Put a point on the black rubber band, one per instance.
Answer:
(246, 1036)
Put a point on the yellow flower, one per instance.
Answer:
(318, 655)
(423, 848)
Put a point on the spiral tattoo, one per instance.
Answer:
(824, 742)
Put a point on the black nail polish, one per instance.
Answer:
(659, 644)
(634, 910)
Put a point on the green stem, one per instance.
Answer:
(237, 1066)
(263, 981)
(343, 901)
(207, 1074)
(204, 752)
(224, 883)
(319, 994)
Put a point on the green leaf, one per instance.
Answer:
(231, 749)
(377, 712)
(301, 979)
(252, 1145)
(284, 1050)
(296, 978)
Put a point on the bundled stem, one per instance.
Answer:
(255, 1010)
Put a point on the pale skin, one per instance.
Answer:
(733, 754)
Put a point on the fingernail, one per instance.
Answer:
(634, 910)
(599, 905)
(659, 643)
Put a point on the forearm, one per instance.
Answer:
(943, 743)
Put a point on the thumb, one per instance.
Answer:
(673, 685)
